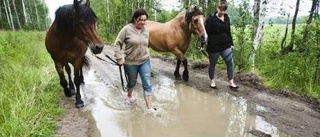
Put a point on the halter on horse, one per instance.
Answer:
(73, 30)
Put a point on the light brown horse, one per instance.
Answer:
(175, 36)
(73, 29)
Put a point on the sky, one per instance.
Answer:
(289, 5)
(53, 5)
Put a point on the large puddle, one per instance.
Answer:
(182, 112)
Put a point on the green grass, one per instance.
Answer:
(294, 71)
(29, 91)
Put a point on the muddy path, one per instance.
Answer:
(293, 115)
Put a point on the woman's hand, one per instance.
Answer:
(120, 61)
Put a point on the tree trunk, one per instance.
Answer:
(30, 13)
(0, 16)
(289, 48)
(311, 15)
(24, 12)
(7, 13)
(259, 33)
(256, 11)
(37, 16)
(17, 16)
(285, 34)
(316, 74)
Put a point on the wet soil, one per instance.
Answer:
(298, 116)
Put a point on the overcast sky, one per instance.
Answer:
(289, 5)
(53, 5)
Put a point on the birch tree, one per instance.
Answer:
(7, 13)
(289, 48)
(259, 33)
(24, 12)
(310, 17)
(256, 11)
(37, 15)
(17, 16)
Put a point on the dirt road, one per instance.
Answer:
(296, 116)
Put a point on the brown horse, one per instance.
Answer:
(175, 36)
(73, 29)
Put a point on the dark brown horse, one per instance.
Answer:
(73, 29)
(175, 36)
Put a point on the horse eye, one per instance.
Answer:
(195, 20)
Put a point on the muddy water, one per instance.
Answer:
(182, 111)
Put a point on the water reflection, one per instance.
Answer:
(183, 112)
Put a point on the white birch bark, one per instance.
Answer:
(24, 12)
(6, 10)
(29, 11)
(37, 16)
(10, 15)
(107, 10)
(259, 34)
(17, 16)
(0, 14)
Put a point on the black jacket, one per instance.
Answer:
(219, 33)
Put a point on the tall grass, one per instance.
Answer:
(295, 71)
(28, 92)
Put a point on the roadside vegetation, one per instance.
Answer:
(29, 85)
(29, 91)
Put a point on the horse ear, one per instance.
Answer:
(201, 9)
(88, 3)
(191, 8)
(76, 4)
(195, 8)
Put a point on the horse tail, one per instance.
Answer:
(85, 62)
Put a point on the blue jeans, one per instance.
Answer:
(227, 55)
(144, 70)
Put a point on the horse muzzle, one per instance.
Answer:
(96, 48)
(203, 38)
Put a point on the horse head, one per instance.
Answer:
(85, 24)
(195, 21)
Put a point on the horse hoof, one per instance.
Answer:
(73, 92)
(80, 104)
(69, 93)
(178, 78)
(186, 78)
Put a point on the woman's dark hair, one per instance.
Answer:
(223, 4)
(137, 13)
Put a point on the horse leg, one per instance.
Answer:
(63, 81)
(176, 72)
(71, 86)
(77, 82)
(185, 74)
(181, 58)
(81, 76)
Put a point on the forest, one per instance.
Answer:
(283, 50)
(280, 47)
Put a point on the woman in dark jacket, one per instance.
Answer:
(220, 43)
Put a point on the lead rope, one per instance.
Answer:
(201, 46)
(120, 69)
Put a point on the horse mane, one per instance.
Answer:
(65, 16)
(194, 12)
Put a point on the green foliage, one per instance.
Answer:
(297, 71)
(242, 35)
(29, 97)
(283, 20)
(25, 14)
